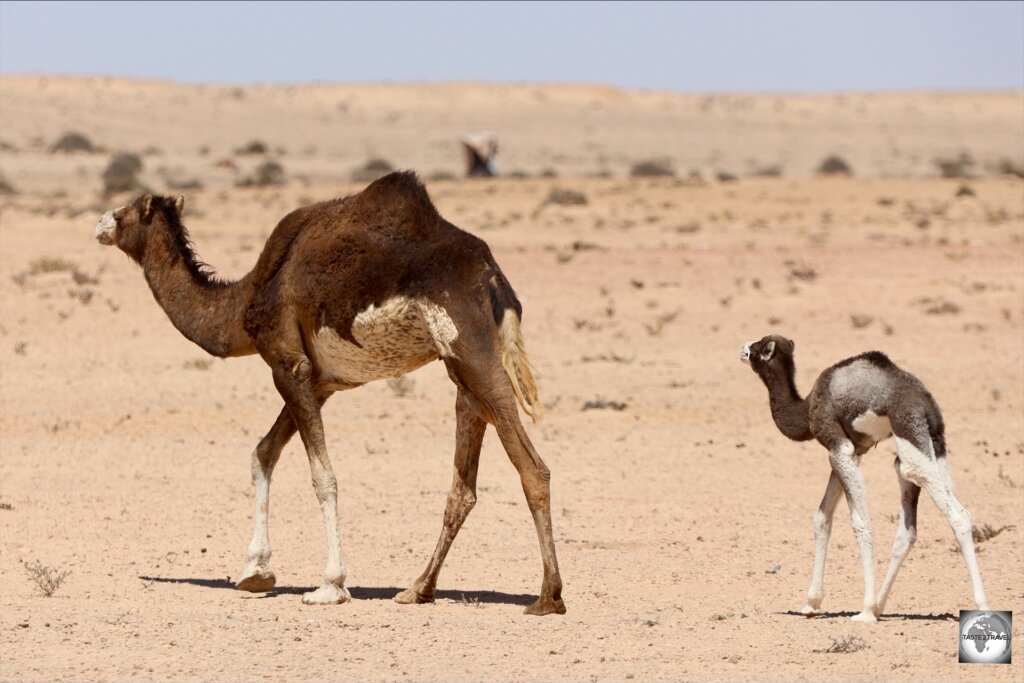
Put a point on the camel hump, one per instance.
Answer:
(402, 193)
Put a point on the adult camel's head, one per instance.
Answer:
(131, 227)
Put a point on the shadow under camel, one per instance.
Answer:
(885, 617)
(359, 592)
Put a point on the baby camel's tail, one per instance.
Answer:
(514, 359)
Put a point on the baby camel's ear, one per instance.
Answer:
(768, 351)
(179, 204)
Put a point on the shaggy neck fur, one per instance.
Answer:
(208, 311)
(789, 410)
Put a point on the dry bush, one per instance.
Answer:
(6, 506)
(1008, 167)
(726, 177)
(601, 403)
(401, 386)
(197, 364)
(252, 147)
(47, 579)
(955, 167)
(652, 168)
(121, 174)
(965, 191)
(267, 174)
(50, 264)
(987, 531)
(548, 173)
(834, 165)
(845, 645)
(560, 196)
(5, 187)
(72, 142)
(441, 176)
(371, 170)
(773, 171)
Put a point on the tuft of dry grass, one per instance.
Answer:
(401, 386)
(51, 264)
(845, 645)
(601, 403)
(835, 165)
(652, 168)
(986, 532)
(560, 196)
(47, 579)
(198, 364)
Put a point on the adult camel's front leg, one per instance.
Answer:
(257, 577)
(468, 437)
(293, 381)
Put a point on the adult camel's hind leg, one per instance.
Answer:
(257, 577)
(469, 436)
(536, 481)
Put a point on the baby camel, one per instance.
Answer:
(854, 405)
(345, 292)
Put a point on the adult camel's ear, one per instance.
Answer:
(146, 210)
(179, 204)
(768, 351)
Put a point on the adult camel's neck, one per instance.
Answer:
(208, 312)
(789, 410)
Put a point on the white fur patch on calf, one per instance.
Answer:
(877, 427)
(441, 327)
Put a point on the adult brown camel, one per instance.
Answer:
(348, 291)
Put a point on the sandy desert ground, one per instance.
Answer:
(682, 517)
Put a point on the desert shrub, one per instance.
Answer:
(6, 187)
(955, 167)
(252, 147)
(1007, 167)
(50, 264)
(47, 579)
(560, 196)
(726, 177)
(121, 174)
(548, 173)
(518, 174)
(267, 174)
(772, 171)
(652, 168)
(834, 165)
(965, 190)
(401, 386)
(72, 142)
(441, 175)
(371, 170)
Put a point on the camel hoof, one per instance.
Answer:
(866, 615)
(809, 612)
(259, 581)
(411, 596)
(327, 594)
(546, 605)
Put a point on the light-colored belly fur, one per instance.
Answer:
(877, 427)
(396, 337)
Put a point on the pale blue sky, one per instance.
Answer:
(755, 46)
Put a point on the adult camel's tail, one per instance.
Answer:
(514, 358)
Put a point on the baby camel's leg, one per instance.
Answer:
(906, 534)
(822, 532)
(257, 576)
(921, 466)
(469, 435)
(844, 464)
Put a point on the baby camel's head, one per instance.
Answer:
(770, 355)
